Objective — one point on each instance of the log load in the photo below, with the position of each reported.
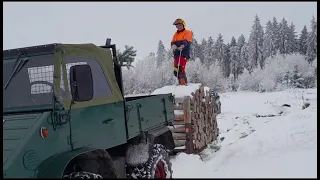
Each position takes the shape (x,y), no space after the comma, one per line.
(195,124)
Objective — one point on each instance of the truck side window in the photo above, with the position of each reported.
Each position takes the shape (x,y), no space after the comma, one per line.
(41,74)
(101,86)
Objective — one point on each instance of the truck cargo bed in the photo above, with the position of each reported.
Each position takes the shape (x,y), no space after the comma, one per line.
(145,113)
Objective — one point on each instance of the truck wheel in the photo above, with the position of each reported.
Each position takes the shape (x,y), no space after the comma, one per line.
(158,165)
(82,175)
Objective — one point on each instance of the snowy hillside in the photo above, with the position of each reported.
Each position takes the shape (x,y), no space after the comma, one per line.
(256,146)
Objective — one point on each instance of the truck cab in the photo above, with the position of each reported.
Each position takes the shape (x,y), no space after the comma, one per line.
(65,101)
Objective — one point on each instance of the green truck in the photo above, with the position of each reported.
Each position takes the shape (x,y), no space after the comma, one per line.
(65,116)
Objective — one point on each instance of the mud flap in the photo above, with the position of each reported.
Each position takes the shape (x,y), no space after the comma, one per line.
(163,136)
(120,164)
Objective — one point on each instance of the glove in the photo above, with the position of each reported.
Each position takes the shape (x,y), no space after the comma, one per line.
(181,47)
(174,47)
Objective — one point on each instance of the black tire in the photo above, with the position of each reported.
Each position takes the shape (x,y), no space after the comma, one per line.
(82,175)
(157,166)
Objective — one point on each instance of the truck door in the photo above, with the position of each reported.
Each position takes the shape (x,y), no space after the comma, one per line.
(96,123)
(98,126)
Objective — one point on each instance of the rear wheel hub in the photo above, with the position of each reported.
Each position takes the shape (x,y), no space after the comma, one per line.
(160,170)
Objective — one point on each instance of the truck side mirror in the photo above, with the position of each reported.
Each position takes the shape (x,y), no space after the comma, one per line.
(81,83)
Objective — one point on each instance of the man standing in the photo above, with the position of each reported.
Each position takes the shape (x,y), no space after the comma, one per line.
(180,45)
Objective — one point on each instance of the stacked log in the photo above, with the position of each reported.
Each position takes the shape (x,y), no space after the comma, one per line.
(195,124)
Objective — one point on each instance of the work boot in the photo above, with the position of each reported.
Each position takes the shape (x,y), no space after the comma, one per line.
(183,80)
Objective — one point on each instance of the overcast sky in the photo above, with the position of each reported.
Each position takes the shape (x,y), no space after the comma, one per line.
(140,24)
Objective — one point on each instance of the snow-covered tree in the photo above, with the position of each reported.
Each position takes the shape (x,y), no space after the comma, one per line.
(233,42)
(240,43)
(249,81)
(202,50)
(209,52)
(303,41)
(219,49)
(234,61)
(292,39)
(226,61)
(312,41)
(234,58)
(194,48)
(278,74)
(221,55)
(169,55)
(284,32)
(275,34)
(152,55)
(244,56)
(210,76)
(161,53)
(256,44)
(269,48)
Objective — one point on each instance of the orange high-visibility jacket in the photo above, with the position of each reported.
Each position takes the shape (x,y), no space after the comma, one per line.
(182,37)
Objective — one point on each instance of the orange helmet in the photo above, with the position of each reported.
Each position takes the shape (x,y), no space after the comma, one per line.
(179,21)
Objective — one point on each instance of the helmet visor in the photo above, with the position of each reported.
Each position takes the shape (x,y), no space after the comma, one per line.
(178,21)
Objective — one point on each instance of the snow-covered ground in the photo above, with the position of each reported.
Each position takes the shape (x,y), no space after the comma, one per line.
(280,146)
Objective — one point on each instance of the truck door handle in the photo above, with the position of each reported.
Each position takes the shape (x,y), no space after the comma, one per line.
(107,121)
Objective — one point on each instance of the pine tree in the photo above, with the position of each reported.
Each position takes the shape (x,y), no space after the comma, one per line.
(292,39)
(303,41)
(193,48)
(275,35)
(245,57)
(127,57)
(234,58)
(219,48)
(295,77)
(240,43)
(152,57)
(312,41)
(169,55)
(197,49)
(220,51)
(256,44)
(233,42)
(209,52)
(226,60)
(269,48)
(284,37)
(202,50)
(234,61)
(161,53)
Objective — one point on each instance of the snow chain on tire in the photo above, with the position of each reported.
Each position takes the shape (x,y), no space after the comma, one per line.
(82,175)
(147,170)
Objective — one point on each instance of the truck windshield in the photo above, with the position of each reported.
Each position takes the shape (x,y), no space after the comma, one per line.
(33,83)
